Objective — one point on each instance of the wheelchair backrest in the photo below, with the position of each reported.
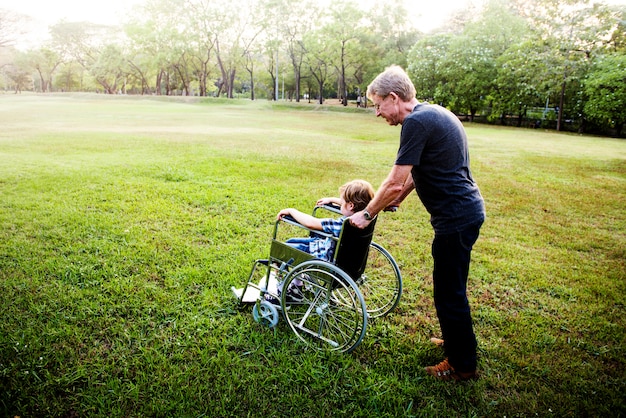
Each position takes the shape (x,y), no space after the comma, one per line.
(353,248)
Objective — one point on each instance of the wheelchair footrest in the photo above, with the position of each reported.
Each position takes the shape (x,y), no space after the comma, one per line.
(253,291)
(251,296)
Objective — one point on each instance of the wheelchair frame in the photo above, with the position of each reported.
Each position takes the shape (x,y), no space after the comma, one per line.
(330,309)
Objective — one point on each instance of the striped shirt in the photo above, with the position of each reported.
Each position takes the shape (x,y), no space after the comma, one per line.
(324,248)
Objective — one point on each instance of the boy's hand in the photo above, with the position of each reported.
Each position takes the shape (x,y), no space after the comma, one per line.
(324,201)
(282,213)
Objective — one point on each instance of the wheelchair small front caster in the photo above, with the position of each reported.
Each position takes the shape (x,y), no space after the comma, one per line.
(265,313)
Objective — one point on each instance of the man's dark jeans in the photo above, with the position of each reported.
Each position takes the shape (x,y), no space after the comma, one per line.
(451,255)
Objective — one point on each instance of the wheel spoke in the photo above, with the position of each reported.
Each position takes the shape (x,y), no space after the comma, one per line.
(331,313)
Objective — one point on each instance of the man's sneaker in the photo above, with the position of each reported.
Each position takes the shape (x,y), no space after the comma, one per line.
(437,341)
(444,371)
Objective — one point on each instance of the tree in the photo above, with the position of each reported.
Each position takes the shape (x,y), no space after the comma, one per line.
(171,43)
(45,62)
(388,36)
(605,89)
(318,60)
(270,61)
(140,69)
(471,63)
(18,72)
(11,27)
(203,42)
(84,43)
(524,78)
(617,42)
(235,33)
(576,30)
(70,76)
(343,31)
(285,23)
(109,68)
(428,68)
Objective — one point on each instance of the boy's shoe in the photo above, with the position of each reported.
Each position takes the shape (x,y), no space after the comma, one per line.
(271,299)
(444,371)
(294,294)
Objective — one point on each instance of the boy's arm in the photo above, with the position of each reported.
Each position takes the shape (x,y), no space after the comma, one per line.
(304,219)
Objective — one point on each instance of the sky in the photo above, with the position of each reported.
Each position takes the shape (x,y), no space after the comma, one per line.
(427,14)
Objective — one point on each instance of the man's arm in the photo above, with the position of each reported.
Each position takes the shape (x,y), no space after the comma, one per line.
(406,190)
(394,189)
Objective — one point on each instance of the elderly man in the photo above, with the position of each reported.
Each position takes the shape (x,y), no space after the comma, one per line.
(433,159)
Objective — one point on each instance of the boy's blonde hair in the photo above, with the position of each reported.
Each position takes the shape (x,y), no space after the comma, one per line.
(357,192)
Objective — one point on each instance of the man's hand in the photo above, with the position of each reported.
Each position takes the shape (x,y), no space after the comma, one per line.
(358,220)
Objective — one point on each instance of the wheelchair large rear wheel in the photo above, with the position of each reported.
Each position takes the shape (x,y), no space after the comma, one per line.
(381,282)
(324,307)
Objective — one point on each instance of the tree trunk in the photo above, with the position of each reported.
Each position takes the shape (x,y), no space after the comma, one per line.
(231,82)
(561,101)
(159,82)
(225,75)
(297,77)
(251,72)
(42,81)
(321,87)
(183,80)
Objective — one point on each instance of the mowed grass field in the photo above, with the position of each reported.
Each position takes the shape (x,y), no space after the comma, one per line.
(125,221)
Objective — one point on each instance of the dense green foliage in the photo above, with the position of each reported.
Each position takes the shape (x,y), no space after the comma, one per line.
(124,222)
(526,66)
(606,96)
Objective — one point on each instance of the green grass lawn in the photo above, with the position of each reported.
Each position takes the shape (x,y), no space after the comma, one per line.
(125,221)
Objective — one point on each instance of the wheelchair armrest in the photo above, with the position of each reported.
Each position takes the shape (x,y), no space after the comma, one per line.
(291,221)
(329,207)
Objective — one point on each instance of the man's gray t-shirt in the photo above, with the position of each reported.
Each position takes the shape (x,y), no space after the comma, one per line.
(434,142)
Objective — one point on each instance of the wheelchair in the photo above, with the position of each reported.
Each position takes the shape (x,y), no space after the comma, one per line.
(333,301)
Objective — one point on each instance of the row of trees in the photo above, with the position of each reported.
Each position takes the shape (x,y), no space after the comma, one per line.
(552,63)
(210,47)
(560,62)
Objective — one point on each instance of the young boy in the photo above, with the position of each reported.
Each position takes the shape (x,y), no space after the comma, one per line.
(355,195)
